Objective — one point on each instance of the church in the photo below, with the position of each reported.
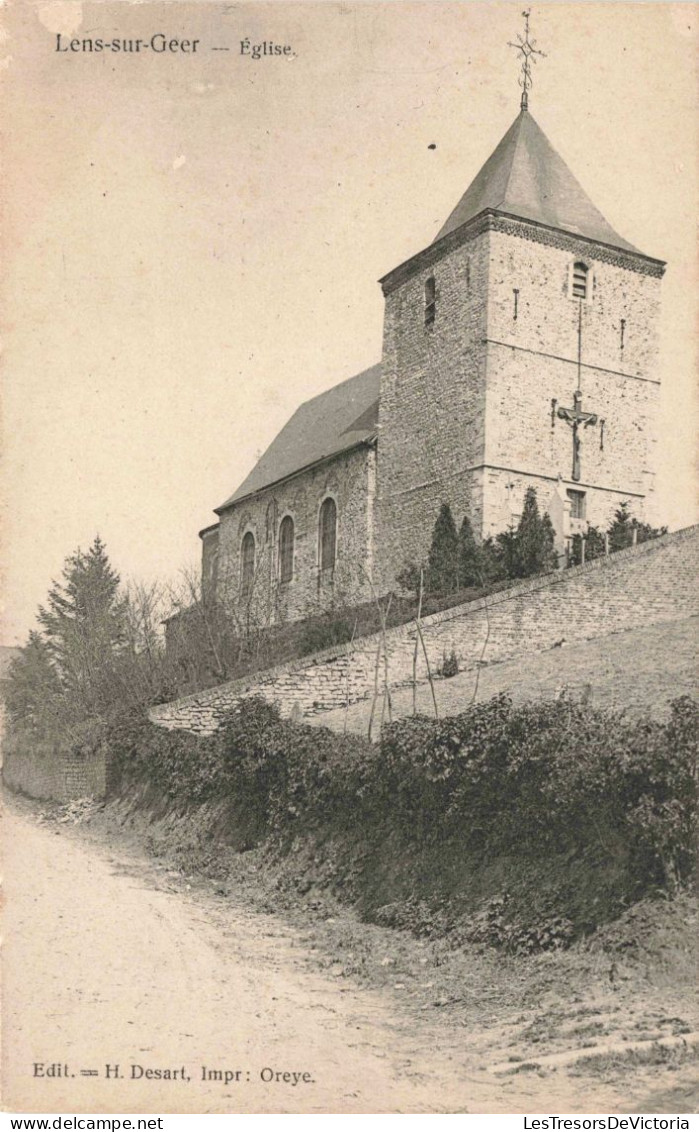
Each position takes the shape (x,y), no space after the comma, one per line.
(519,350)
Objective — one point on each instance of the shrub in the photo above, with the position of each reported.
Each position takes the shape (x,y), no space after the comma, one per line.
(410,578)
(318,635)
(450,665)
(536,781)
(594,547)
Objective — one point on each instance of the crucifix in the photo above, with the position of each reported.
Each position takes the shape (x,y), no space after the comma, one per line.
(576,418)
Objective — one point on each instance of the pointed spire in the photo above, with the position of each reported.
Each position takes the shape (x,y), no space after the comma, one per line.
(525,177)
(528,50)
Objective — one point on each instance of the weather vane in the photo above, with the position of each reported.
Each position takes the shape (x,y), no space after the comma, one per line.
(528,50)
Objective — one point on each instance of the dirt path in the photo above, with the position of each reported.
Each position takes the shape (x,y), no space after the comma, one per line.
(110,962)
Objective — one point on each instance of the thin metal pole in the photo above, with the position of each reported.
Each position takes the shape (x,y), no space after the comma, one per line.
(579,343)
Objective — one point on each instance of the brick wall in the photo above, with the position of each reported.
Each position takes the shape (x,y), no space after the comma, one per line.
(349,479)
(55,776)
(647,584)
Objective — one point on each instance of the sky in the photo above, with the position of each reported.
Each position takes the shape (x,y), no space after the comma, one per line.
(192,242)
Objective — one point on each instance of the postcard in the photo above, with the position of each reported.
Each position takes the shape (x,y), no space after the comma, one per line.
(349,565)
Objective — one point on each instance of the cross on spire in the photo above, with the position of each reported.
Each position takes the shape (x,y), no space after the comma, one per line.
(528,50)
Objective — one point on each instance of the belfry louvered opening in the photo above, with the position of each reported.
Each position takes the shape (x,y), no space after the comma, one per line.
(581,275)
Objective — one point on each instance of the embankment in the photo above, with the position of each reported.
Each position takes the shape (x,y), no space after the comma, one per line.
(518,827)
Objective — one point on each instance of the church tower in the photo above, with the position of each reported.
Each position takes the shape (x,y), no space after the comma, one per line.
(520,349)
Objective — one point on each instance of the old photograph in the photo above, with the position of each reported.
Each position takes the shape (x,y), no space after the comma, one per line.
(348,671)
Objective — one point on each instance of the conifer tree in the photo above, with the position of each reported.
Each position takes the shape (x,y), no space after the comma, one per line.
(31,688)
(443,558)
(621,529)
(83,623)
(534,539)
(470,565)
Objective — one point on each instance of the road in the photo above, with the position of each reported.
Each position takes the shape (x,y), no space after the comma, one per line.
(109,962)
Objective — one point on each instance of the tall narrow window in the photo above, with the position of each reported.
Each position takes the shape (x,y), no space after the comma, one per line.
(286,549)
(247,572)
(327,534)
(430,301)
(581,279)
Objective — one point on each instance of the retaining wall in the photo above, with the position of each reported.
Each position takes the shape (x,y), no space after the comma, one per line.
(55,775)
(650,583)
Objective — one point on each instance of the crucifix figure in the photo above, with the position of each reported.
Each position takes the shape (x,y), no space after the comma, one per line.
(575,417)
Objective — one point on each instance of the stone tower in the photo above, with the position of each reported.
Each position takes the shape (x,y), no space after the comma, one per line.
(520,349)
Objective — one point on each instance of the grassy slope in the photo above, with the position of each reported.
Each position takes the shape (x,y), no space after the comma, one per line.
(638,669)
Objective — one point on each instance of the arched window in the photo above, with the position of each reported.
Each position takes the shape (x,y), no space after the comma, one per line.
(247,569)
(581,281)
(286,549)
(327,534)
(430,300)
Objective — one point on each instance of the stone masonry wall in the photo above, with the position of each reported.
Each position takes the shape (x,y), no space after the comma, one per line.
(532,359)
(432,408)
(467,401)
(504,493)
(349,480)
(653,582)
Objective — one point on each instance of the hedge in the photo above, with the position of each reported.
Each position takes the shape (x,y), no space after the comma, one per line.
(543,778)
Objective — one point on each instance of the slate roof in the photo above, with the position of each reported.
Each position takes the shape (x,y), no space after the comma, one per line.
(333,422)
(525,177)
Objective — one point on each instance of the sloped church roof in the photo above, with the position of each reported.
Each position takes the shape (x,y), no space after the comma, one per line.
(332,422)
(524,177)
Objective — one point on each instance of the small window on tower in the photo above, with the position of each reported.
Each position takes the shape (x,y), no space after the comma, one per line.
(430,301)
(577,503)
(581,281)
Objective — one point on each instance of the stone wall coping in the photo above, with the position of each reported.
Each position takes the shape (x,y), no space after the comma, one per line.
(498,597)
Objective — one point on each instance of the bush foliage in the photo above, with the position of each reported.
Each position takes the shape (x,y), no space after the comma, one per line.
(537,780)
(620,535)
(456,561)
